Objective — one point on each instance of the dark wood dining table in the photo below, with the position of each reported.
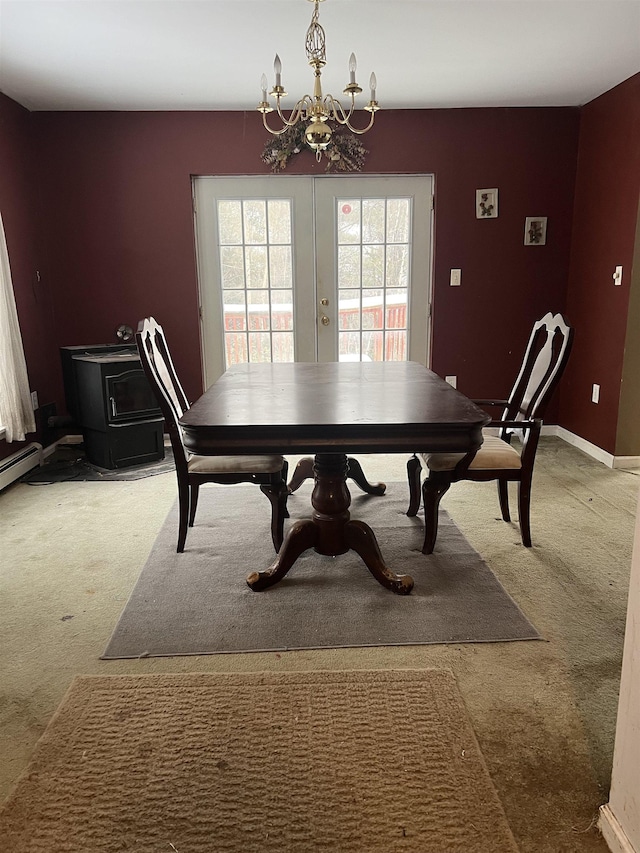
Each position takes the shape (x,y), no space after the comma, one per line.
(329,410)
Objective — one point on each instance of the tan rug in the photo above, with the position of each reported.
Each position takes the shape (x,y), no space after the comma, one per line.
(364,762)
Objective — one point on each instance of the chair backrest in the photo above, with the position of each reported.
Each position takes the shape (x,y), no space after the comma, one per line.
(544,362)
(162,376)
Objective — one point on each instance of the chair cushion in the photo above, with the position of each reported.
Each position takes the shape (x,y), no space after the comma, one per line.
(235,464)
(494,453)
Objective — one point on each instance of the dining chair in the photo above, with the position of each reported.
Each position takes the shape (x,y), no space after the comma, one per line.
(269,472)
(544,361)
(304,471)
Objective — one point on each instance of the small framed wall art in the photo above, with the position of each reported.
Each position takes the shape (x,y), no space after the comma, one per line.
(535,230)
(486,204)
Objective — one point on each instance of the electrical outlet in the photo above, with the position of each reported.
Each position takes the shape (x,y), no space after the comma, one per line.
(452,380)
(34,400)
(454,278)
(595,394)
(617,276)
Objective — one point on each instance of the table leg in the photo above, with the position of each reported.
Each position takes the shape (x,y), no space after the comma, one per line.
(330,531)
(363,541)
(302,535)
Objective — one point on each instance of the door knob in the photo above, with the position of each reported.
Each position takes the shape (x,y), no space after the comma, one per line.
(324,301)
(325,320)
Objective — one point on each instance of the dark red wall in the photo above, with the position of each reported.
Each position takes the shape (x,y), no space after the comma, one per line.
(109,196)
(120,241)
(607,190)
(18,207)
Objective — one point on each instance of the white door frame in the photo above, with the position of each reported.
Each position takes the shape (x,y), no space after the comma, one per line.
(206,224)
(301,189)
(419,188)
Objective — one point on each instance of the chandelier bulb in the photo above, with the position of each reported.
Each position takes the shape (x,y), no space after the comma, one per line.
(277,67)
(352,68)
(263,86)
(372,86)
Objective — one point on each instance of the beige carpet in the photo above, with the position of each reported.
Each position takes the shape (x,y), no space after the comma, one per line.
(359,761)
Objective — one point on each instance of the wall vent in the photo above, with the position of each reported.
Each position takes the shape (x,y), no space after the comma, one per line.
(17,465)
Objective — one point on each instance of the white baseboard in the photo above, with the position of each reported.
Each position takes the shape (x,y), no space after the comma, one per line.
(613,833)
(626,462)
(592,450)
(586,446)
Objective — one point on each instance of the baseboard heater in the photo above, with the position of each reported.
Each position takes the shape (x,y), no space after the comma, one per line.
(17,465)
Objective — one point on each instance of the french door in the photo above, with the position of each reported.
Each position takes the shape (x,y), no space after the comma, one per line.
(313,269)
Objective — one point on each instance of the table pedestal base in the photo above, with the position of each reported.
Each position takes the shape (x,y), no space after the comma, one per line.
(331,531)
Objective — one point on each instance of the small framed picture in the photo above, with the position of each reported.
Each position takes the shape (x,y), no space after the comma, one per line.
(486,204)
(535,230)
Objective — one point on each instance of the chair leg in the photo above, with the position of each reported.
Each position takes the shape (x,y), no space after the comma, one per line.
(304,471)
(183,502)
(194,491)
(524,506)
(277,494)
(432,494)
(414,469)
(503,497)
(354,470)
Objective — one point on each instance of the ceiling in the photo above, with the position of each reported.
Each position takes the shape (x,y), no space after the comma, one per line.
(210,54)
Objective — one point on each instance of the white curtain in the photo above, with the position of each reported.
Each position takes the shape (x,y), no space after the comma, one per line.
(16,414)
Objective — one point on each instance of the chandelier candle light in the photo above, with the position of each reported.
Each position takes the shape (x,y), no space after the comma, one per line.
(320,109)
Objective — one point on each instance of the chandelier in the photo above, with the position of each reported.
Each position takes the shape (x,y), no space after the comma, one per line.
(318,110)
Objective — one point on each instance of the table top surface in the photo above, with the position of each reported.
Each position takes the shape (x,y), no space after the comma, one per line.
(346,406)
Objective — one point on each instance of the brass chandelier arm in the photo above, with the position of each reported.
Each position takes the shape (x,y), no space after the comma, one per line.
(297,113)
(337,112)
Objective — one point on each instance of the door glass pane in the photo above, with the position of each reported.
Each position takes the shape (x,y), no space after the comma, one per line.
(256,271)
(398,220)
(259,347)
(282,309)
(279,218)
(348,220)
(349,346)
(373,266)
(373,216)
(255,221)
(398,265)
(230,218)
(373,278)
(373,346)
(397,306)
(280,270)
(396,346)
(258,310)
(282,346)
(372,309)
(349,314)
(349,266)
(232,267)
(257,268)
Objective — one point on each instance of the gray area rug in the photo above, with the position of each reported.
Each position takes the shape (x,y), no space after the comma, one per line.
(198,602)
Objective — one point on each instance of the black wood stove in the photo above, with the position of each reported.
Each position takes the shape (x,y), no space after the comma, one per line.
(110,398)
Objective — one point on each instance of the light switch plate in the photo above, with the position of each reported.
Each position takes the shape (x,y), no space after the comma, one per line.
(595,394)
(617,276)
(452,380)
(454,278)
